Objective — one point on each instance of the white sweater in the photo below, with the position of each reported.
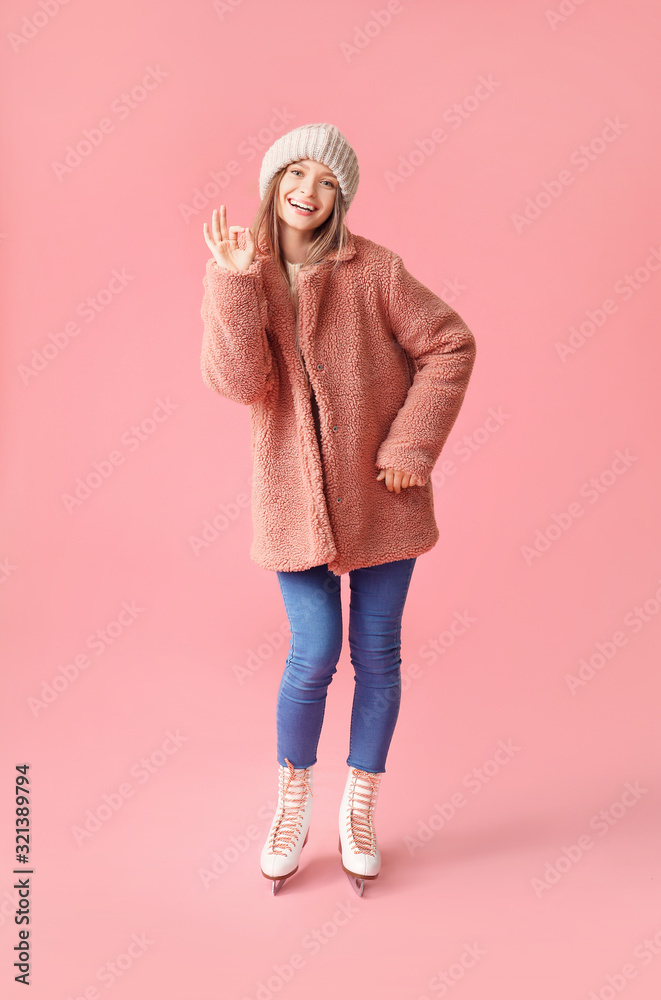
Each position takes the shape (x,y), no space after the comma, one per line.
(291,272)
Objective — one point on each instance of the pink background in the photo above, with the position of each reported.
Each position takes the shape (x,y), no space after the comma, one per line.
(173,664)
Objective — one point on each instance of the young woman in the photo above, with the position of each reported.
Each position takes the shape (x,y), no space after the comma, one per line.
(354,373)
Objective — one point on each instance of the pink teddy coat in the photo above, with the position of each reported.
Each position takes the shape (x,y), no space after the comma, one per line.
(389,362)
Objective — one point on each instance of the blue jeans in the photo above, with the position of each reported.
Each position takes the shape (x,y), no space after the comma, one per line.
(314,609)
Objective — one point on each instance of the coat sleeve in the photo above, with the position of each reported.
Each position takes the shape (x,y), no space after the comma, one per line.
(236,358)
(443,349)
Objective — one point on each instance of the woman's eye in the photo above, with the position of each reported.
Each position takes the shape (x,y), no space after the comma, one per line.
(295,170)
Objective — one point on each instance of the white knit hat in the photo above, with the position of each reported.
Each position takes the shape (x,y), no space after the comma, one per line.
(321,142)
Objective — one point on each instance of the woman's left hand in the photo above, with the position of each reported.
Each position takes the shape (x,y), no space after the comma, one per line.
(396,479)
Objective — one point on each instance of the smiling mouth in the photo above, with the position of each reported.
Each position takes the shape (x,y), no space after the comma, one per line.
(301,206)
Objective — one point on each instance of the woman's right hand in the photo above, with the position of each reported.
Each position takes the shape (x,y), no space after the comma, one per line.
(223,243)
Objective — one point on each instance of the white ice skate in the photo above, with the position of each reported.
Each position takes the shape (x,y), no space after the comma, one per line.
(361,858)
(289,830)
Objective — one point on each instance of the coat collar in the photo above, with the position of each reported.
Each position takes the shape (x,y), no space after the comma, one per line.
(348,250)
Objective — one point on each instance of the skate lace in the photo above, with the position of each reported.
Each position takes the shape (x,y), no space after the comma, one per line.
(294,787)
(362,798)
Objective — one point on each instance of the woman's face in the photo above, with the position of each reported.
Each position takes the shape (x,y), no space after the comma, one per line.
(311,183)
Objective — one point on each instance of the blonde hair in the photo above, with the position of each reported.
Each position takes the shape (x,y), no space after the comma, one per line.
(329,237)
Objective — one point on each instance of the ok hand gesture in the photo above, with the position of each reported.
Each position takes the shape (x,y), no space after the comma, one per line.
(223,243)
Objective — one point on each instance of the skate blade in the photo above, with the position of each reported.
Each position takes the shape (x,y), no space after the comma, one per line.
(357,881)
(277,883)
(357,884)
